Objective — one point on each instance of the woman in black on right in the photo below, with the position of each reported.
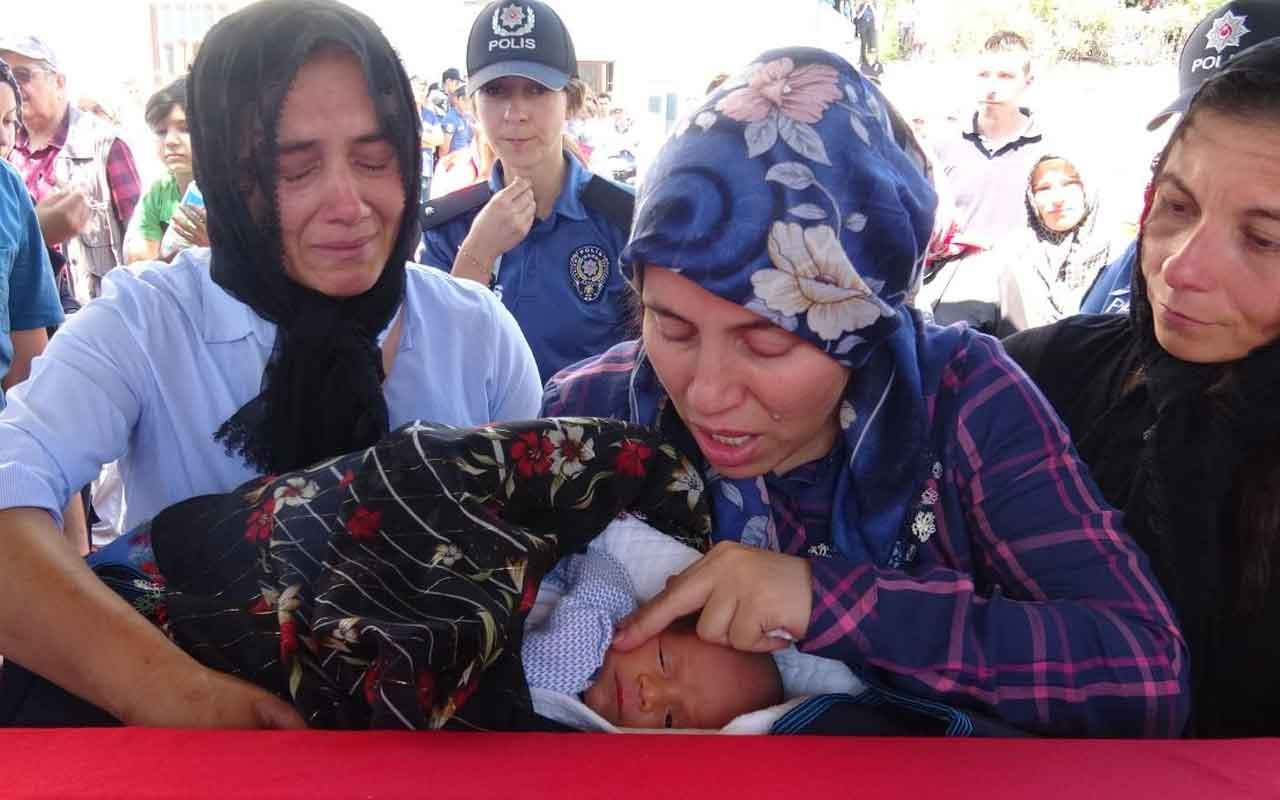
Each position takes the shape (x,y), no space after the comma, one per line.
(1176,408)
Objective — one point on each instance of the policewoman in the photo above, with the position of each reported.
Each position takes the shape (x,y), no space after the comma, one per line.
(544,233)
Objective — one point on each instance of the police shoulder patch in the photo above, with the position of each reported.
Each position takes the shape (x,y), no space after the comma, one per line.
(615,202)
(589,269)
(453,205)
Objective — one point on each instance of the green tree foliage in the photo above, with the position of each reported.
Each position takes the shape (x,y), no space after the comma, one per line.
(1107,31)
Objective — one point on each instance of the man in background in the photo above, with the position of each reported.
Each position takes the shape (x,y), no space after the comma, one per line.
(67,157)
(987,162)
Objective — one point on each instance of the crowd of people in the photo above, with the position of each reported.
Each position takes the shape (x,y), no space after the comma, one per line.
(409,410)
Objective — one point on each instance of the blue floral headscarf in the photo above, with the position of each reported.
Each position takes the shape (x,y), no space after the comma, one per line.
(798,193)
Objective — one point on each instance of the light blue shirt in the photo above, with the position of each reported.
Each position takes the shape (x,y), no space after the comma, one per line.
(28,298)
(148,372)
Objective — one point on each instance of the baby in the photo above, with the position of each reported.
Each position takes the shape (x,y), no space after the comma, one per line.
(675,680)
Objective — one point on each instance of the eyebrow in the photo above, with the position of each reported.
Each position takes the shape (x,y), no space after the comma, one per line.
(758,324)
(289,147)
(1272,214)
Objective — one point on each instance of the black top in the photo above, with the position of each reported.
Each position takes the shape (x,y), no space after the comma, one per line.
(1089,367)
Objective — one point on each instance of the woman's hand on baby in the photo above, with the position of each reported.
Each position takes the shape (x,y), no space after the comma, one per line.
(206,698)
(745,595)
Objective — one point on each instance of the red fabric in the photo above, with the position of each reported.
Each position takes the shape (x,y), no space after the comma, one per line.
(144,763)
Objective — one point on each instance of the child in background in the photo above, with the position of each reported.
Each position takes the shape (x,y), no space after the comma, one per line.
(165,204)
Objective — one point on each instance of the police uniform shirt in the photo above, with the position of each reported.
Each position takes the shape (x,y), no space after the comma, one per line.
(562,283)
(457,127)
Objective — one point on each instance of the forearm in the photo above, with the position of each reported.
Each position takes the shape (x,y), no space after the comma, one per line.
(474,261)
(59,620)
(26,346)
(140,249)
(75,526)
(1076,666)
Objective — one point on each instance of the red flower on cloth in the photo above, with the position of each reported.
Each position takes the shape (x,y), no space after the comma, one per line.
(802,94)
(263,605)
(364,523)
(426,686)
(160,613)
(465,691)
(288,639)
(532,453)
(370,682)
(347,479)
(631,459)
(527,597)
(261,520)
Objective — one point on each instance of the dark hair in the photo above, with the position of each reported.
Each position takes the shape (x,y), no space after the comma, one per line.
(1007,42)
(1252,96)
(6,76)
(160,104)
(576,92)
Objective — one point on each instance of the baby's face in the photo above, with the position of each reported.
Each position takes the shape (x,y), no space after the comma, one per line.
(676,680)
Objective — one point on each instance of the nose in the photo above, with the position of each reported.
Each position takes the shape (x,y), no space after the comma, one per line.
(515,111)
(654,693)
(1190,263)
(345,204)
(716,385)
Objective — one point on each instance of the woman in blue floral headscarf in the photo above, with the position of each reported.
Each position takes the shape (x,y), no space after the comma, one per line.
(886,492)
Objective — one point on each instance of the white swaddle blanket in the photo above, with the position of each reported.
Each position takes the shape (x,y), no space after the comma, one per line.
(651,557)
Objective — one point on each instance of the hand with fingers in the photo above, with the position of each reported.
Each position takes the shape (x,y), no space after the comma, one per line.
(191,224)
(501,225)
(63,214)
(204,698)
(749,599)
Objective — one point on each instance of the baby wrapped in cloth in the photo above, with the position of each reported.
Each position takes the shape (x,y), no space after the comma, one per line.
(389,587)
(674,681)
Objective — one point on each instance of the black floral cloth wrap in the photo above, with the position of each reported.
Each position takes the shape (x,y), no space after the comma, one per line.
(388,588)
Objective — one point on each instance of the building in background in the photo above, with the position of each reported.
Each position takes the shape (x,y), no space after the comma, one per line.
(177,28)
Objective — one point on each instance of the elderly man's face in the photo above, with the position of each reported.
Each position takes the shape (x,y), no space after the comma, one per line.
(44,98)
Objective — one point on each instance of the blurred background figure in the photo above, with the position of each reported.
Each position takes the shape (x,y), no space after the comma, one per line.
(161,207)
(68,160)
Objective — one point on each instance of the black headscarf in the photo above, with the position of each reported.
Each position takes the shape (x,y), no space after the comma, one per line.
(321,391)
(1210,421)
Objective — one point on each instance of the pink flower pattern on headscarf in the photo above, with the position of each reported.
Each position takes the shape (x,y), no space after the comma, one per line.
(802,94)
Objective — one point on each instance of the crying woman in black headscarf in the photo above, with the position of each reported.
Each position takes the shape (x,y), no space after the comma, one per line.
(311,180)
(299,335)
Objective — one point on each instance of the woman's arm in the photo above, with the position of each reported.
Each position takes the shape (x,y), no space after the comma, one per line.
(75,413)
(1056,626)
(59,620)
(26,346)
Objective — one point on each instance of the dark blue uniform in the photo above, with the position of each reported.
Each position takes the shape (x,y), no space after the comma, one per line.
(562,283)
